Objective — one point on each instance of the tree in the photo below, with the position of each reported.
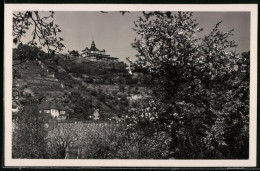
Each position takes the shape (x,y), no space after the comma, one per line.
(26,52)
(44,29)
(81,106)
(236,112)
(121,88)
(63,136)
(192,79)
(74,53)
(29,134)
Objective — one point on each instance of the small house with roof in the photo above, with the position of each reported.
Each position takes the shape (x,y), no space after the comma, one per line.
(16,106)
(54,109)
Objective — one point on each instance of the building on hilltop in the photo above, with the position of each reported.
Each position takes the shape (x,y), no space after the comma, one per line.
(54,109)
(94,54)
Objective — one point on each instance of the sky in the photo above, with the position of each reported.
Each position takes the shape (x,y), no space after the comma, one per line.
(113,32)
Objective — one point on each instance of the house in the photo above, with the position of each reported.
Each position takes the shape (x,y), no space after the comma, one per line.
(54,109)
(63,111)
(16,94)
(44,107)
(85,76)
(16,106)
(51,75)
(28,92)
(134,97)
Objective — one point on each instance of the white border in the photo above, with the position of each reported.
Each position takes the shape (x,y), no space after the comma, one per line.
(8,161)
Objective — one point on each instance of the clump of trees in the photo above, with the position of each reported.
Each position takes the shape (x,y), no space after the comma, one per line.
(200,87)
(82,107)
(25,52)
(74,53)
(44,32)
(28,140)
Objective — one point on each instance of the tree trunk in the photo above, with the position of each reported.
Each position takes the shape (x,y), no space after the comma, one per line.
(174,142)
(62,153)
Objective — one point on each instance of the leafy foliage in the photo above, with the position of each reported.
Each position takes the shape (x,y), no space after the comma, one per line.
(29,134)
(44,29)
(199,108)
(195,83)
(74,53)
(25,52)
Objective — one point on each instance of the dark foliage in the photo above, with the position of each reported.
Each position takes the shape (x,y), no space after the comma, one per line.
(200,89)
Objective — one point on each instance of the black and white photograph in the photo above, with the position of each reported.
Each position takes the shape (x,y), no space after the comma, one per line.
(148,85)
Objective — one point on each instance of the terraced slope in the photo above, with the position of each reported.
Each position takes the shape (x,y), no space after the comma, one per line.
(37,77)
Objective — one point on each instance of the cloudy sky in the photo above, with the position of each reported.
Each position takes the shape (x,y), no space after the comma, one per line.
(113,32)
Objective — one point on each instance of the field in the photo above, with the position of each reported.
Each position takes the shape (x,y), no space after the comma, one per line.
(105,140)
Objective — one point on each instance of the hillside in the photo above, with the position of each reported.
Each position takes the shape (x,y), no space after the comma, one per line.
(81,86)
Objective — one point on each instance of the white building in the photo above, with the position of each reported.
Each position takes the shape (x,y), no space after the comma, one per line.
(94,54)
(16,106)
(96,115)
(54,109)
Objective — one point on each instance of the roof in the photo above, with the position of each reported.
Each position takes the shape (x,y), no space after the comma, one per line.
(54,105)
(113,57)
(61,107)
(45,105)
(93,47)
(15,104)
(15,90)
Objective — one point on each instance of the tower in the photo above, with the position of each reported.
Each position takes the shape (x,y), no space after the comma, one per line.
(93,44)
